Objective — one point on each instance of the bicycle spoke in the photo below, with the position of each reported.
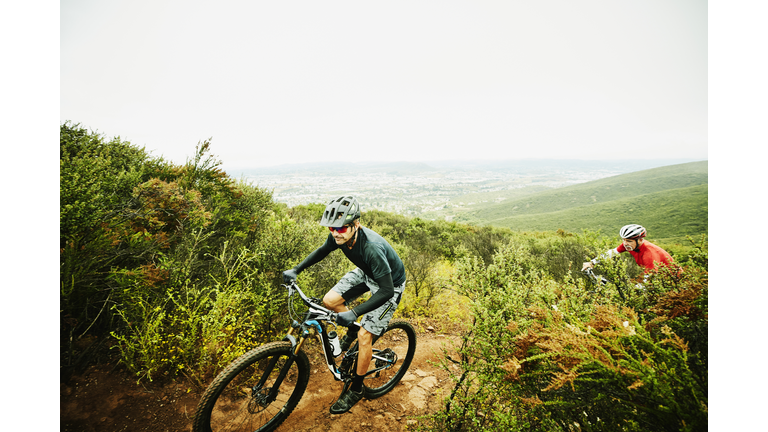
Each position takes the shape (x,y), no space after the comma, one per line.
(392,355)
(241,398)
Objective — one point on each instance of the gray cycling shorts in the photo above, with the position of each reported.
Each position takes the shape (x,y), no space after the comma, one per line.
(356,283)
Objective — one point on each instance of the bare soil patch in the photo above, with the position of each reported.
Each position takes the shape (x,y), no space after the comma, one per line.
(103,399)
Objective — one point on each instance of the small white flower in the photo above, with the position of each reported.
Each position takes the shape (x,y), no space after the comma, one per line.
(555,307)
(626,323)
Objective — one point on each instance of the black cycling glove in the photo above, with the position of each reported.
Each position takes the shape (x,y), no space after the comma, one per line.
(290,275)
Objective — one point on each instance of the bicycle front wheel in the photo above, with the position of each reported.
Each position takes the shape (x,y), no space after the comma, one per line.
(393,353)
(241,398)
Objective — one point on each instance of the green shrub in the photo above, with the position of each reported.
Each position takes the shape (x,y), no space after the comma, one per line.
(150,249)
(544,355)
(95,176)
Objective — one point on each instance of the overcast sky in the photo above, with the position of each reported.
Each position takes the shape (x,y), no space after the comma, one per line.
(293,82)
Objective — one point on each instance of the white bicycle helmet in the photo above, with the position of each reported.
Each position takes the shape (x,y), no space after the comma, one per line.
(632,232)
(340,211)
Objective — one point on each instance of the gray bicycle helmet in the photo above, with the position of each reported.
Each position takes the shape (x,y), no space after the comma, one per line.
(632,232)
(340,211)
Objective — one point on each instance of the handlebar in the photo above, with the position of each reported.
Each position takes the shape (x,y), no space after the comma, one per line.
(292,288)
(312,303)
(595,279)
(602,281)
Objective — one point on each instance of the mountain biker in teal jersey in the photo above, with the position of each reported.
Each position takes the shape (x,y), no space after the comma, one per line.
(379,270)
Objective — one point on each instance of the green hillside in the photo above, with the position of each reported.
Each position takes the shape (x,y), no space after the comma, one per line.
(667,215)
(487,198)
(671,202)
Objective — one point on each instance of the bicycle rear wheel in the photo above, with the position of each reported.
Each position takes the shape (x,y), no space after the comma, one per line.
(394,351)
(238,399)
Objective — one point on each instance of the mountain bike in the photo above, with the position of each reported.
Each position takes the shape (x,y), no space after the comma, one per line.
(261,388)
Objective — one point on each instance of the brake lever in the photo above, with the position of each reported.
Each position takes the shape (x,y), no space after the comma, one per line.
(290,288)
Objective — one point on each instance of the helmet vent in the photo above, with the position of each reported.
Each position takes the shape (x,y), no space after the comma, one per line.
(340,210)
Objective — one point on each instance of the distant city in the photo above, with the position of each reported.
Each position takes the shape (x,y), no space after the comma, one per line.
(431,189)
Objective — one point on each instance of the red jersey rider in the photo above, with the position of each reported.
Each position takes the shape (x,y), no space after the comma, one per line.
(645,253)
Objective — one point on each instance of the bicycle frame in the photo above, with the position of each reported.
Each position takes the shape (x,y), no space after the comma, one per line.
(314,319)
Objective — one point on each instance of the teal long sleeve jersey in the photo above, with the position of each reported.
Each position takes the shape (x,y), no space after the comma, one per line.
(371,254)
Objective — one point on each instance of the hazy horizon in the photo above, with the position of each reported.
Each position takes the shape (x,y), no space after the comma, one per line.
(637,164)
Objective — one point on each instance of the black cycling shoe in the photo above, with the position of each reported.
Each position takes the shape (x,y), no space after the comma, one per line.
(347,400)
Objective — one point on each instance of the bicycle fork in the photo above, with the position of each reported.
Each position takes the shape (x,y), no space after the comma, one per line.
(272,395)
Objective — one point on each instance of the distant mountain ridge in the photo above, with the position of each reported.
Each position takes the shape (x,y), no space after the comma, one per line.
(525,166)
(670,201)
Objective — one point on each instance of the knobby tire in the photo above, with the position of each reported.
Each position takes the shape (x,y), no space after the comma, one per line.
(231,404)
(400,338)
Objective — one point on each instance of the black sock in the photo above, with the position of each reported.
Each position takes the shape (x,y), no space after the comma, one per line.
(357,383)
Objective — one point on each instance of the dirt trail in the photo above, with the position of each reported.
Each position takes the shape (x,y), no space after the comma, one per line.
(104,400)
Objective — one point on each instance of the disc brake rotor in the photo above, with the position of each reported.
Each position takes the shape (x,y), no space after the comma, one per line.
(258,400)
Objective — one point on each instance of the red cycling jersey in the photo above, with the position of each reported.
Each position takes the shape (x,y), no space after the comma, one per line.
(647,255)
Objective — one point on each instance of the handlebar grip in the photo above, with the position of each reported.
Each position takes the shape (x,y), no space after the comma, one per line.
(335,315)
